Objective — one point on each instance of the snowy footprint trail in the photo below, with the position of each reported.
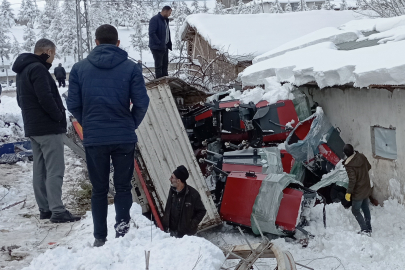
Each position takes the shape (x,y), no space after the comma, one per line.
(128,252)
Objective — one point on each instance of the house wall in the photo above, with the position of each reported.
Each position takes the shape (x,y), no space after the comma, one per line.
(201,50)
(355,111)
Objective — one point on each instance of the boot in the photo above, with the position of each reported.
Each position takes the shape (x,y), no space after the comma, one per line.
(45,215)
(64,217)
(99,242)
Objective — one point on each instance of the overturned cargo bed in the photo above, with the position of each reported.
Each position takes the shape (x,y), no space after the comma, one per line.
(163,145)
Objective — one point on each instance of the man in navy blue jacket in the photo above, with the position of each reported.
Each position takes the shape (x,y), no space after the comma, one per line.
(160,41)
(101,89)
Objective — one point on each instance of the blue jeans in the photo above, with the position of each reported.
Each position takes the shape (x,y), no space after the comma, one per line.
(98,165)
(364,222)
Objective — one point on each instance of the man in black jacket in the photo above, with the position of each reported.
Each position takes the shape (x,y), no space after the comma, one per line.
(45,124)
(184,208)
(160,41)
(60,75)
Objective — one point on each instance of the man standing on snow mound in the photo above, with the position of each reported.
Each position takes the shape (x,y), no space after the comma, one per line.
(160,41)
(184,208)
(60,75)
(359,189)
(101,89)
(45,124)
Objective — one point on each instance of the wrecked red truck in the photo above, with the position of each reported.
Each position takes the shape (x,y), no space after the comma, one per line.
(253,164)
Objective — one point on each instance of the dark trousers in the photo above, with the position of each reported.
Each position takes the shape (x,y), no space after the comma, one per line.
(61,82)
(161,62)
(98,165)
(364,222)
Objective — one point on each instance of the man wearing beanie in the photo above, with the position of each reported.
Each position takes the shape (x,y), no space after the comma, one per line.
(184,208)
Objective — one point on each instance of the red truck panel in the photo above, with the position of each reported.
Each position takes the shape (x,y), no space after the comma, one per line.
(287,160)
(240,194)
(289,209)
(327,153)
(226,167)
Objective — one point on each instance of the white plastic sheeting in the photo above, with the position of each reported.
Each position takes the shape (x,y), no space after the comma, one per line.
(164,145)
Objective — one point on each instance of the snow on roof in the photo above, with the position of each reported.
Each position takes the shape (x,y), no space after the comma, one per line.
(253,34)
(316,57)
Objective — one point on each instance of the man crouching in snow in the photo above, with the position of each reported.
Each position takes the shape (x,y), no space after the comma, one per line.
(184,208)
(45,124)
(359,189)
(101,89)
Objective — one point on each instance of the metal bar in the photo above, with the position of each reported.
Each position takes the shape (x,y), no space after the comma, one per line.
(304,266)
(257,225)
(150,200)
(247,241)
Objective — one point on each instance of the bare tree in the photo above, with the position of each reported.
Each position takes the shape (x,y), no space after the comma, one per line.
(211,73)
(384,8)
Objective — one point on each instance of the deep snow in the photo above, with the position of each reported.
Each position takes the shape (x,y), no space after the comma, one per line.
(250,35)
(316,57)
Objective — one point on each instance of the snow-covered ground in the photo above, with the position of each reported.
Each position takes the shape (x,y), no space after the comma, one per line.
(30,243)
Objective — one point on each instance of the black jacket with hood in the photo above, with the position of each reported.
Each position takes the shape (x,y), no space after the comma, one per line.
(38,97)
(192,211)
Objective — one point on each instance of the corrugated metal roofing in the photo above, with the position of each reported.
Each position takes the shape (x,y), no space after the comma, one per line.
(353,45)
(164,145)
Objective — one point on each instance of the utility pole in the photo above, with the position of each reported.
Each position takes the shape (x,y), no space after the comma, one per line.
(84,44)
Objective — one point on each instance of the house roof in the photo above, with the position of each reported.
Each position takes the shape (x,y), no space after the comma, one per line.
(250,35)
(350,53)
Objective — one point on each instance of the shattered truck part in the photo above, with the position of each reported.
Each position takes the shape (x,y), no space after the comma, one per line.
(164,145)
(316,143)
(277,208)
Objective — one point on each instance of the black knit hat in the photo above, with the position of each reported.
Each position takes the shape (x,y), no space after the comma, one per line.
(181,173)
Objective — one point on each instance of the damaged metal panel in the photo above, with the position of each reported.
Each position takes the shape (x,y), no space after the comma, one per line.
(164,145)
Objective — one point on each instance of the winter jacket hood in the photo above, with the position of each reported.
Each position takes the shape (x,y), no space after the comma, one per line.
(107,56)
(38,96)
(25,59)
(358,160)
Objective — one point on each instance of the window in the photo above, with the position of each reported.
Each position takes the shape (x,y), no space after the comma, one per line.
(384,142)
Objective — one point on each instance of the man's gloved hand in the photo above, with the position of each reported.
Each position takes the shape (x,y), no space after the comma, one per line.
(348,197)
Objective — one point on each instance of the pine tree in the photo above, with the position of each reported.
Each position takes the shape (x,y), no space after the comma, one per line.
(29,38)
(98,14)
(6,14)
(276,7)
(51,11)
(219,8)
(343,5)
(204,8)
(128,13)
(241,8)
(28,12)
(314,6)
(139,39)
(67,38)
(5,44)
(302,6)
(196,7)
(15,48)
(288,7)
(326,5)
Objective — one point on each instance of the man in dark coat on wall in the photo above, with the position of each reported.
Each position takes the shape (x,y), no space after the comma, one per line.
(359,189)
(45,124)
(101,90)
(160,41)
(184,209)
(60,75)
